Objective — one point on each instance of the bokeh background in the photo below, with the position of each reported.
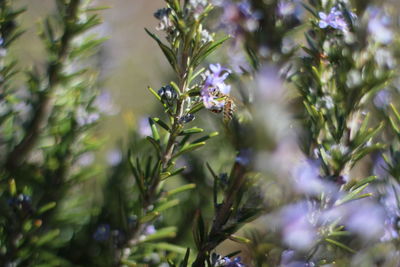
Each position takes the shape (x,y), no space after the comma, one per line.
(129,60)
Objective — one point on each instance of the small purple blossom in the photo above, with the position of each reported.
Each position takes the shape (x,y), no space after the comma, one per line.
(150,230)
(238,18)
(104,104)
(236,262)
(380,166)
(197,7)
(334,20)
(227,262)
(84,117)
(285,8)
(378,26)
(114,157)
(213,84)
(216,76)
(144,128)
(367,219)
(298,229)
(244,157)
(307,179)
(288,8)
(382,99)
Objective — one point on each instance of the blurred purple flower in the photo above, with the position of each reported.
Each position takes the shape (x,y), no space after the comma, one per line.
(382,99)
(365,218)
(238,60)
(236,262)
(144,128)
(385,58)
(285,8)
(298,231)
(390,201)
(269,84)
(149,230)
(105,104)
(379,166)
(334,20)
(391,229)
(378,26)
(197,6)
(85,159)
(307,179)
(244,157)
(227,262)
(238,17)
(114,157)
(84,117)
(288,8)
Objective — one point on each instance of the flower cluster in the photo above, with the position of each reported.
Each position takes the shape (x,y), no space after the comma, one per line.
(333,19)
(219,261)
(379,25)
(214,88)
(238,17)
(163,15)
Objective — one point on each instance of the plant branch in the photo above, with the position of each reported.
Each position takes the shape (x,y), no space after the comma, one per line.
(45,105)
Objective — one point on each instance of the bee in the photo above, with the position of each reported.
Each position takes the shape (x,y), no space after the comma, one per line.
(227,109)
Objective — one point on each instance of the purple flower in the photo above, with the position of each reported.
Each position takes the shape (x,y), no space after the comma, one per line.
(105,104)
(334,20)
(213,85)
(298,229)
(367,219)
(216,76)
(244,157)
(238,17)
(307,179)
(378,26)
(197,7)
(114,157)
(227,262)
(299,224)
(144,128)
(382,99)
(84,117)
(149,230)
(236,262)
(288,8)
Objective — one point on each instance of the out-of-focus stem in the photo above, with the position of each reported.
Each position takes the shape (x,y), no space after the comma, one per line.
(45,105)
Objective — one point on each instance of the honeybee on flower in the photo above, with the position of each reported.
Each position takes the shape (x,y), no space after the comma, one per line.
(215,92)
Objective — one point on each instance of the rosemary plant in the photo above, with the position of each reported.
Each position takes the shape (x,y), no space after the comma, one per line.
(310,136)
